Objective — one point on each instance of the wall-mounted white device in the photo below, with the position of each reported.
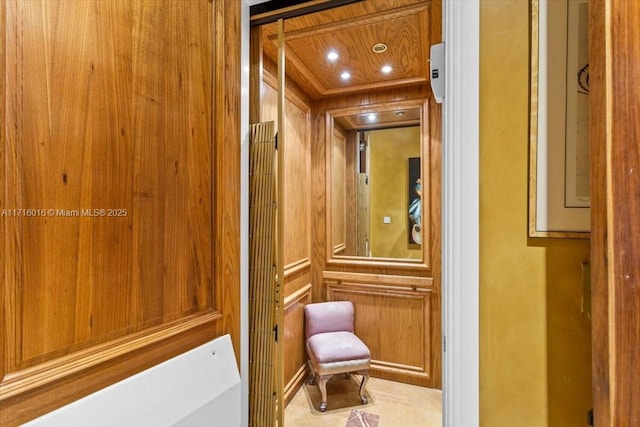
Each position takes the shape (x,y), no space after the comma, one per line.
(436,66)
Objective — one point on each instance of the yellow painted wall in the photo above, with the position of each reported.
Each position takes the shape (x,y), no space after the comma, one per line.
(568,334)
(534,340)
(390,150)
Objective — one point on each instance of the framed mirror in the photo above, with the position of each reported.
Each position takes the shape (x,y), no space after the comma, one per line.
(377,172)
(559,193)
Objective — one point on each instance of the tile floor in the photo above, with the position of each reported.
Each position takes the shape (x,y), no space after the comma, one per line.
(397,404)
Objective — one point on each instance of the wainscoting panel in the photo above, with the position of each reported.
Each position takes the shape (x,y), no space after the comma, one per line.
(295,359)
(392,318)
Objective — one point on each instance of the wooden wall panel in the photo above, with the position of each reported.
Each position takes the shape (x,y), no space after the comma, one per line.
(321,190)
(297,241)
(87,143)
(435,191)
(392,318)
(321,167)
(296,173)
(614,52)
(339,191)
(297,166)
(4,322)
(351,192)
(295,355)
(423,365)
(116,253)
(600,329)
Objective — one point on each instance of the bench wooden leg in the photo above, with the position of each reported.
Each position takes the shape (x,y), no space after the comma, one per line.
(365,379)
(322,383)
(312,374)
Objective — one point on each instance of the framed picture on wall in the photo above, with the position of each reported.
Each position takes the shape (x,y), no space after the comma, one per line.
(559,193)
(414,205)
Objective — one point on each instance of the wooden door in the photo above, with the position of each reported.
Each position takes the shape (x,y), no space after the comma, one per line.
(119,228)
(614,43)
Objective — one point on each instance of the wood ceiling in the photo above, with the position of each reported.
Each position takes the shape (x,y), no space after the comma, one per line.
(351,31)
(396,117)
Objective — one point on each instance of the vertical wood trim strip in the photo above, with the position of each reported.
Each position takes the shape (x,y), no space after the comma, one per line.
(534,54)
(434,126)
(600,288)
(226,135)
(622,54)
(609,244)
(255,82)
(3,200)
(280,203)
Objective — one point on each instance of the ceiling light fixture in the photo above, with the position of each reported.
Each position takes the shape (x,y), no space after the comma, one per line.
(379,47)
(387,69)
(372,117)
(345,75)
(332,55)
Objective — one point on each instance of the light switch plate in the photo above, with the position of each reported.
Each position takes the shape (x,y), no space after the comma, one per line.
(386,220)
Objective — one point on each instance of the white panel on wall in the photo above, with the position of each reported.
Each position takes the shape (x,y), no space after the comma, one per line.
(198,388)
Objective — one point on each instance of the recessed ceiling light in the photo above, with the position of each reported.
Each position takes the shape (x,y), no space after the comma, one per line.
(345,75)
(387,69)
(399,113)
(379,47)
(332,55)
(372,117)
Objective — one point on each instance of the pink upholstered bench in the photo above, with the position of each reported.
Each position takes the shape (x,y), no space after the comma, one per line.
(332,346)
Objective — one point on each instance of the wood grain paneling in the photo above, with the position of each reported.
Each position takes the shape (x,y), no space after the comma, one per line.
(352,31)
(296,170)
(295,362)
(338,192)
(614,52)
(226,140)
(435,200)
(297,247)
(430,267)
(393,319)
(125,258)
(422,146)
(255,75)
(337,14)
(360,120)
(599,248)
(296,276)
(309,34)
(352,198)
(4,322)
(100,145)
(320,167)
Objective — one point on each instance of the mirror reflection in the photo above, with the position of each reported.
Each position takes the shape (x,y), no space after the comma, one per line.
(376,185)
